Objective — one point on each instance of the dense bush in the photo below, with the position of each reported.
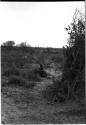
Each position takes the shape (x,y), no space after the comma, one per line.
(72,84)
(19,81)
(74,66)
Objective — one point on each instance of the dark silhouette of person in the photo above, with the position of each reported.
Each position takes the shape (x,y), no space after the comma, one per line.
(41,71)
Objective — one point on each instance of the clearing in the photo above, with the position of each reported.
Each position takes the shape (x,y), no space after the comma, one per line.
(27,106)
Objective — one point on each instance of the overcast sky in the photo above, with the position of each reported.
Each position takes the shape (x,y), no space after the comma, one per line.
(37,23)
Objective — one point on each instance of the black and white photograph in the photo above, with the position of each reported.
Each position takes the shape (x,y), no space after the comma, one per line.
(42,62)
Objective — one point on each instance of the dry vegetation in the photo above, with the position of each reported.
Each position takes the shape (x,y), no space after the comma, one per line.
(45,85)
(27,96)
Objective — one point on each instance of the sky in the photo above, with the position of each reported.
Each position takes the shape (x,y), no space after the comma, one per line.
(40,24)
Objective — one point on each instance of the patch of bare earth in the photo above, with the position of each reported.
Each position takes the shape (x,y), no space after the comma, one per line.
(27,106)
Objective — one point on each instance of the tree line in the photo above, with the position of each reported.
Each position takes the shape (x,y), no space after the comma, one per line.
(11,43)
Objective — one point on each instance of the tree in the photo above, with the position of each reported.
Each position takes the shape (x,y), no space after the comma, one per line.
(24,44)
(8,44)
(74,52)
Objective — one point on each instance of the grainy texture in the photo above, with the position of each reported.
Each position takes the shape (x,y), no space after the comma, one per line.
(21,106)
(24,103)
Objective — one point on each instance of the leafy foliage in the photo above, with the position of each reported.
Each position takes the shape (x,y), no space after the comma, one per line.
(74,53)
(8,44)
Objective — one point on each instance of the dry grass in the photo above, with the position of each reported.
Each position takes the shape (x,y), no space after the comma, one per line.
(24,106)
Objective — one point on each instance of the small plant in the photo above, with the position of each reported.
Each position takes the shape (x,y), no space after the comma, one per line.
(19,81)
(16,81)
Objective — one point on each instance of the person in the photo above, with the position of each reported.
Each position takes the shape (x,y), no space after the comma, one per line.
(41,71)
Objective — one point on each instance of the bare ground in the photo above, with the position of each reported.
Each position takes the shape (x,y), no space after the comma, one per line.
(27,106)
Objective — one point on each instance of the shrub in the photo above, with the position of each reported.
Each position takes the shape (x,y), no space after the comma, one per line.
(33,75)
(74,54)
(19,81)
(16,81)
(8,44)
(54,93)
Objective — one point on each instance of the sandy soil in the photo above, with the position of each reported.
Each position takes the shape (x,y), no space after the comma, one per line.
(27,106)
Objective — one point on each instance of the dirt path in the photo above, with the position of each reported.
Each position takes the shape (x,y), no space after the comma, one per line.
(17,114)
(27,106)
(21,106)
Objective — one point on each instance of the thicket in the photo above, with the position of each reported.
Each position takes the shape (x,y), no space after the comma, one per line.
(74,52)
(72,84)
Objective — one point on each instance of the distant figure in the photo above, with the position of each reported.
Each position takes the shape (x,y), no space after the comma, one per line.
(41,71)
